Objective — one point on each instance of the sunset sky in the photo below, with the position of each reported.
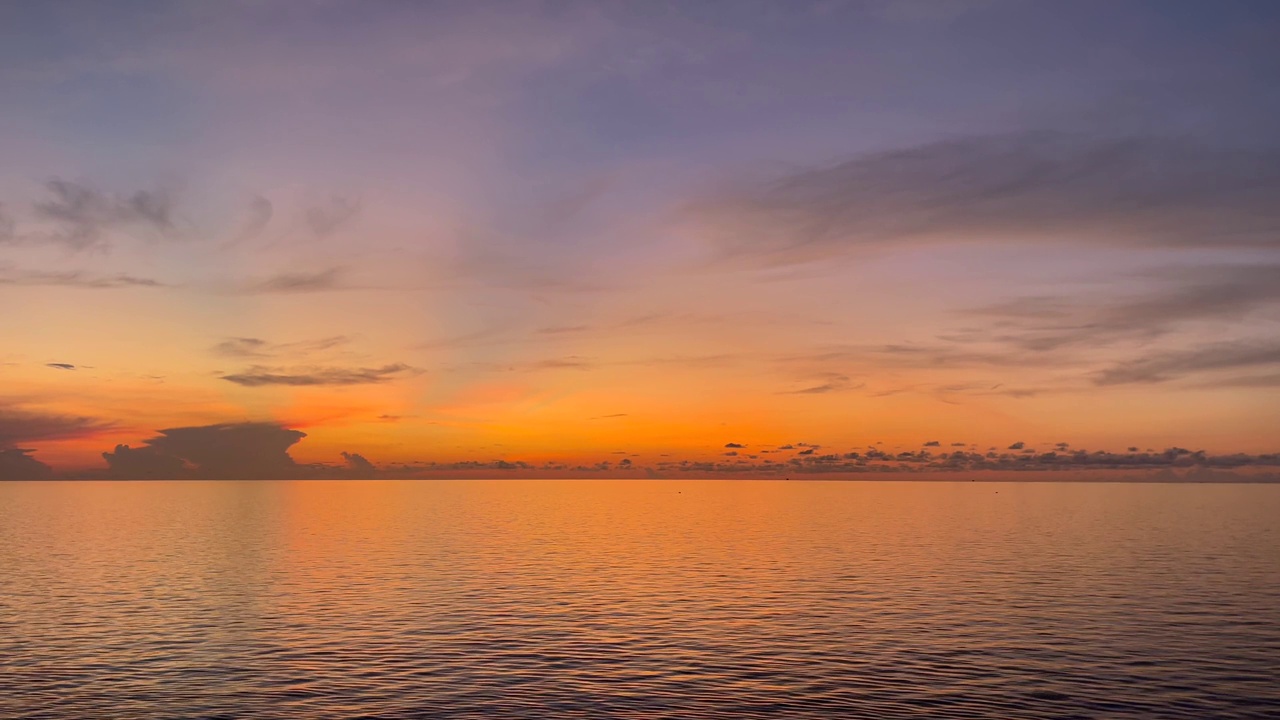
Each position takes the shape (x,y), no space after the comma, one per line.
(724,234)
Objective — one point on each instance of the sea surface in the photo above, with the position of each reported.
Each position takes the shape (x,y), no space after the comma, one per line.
(638,599)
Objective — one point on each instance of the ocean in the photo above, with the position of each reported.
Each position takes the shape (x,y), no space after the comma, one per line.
(639,599)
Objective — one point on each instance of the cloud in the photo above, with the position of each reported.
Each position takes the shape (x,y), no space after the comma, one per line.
(144,463)
(60,366)
(17,464)
(10,276)
(326,218)
(1245,381)
(1141,191)
(358,464)
(1214,293)
(259,216)
(932,443)
(225,451)
(7,226)
(248,347)
(1165,366)
(19,426)
(300,282)
(258,376)
(835,383)
(85,213)
(734,445)
(242,347)
(563,329)
(1018,445)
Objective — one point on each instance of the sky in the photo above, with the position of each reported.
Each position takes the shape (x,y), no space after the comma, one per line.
(268,239)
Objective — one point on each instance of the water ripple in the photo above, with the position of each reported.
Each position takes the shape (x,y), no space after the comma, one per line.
(638,600)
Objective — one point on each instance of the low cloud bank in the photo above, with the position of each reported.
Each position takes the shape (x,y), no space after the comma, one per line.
(260,451)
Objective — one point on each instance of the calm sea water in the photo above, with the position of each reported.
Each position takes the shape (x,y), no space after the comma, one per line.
(587,599)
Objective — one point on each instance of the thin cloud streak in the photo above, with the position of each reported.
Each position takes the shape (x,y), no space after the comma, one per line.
(260,376)
(1025,187)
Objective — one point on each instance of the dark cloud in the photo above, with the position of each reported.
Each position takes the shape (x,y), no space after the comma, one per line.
(85,213)
(19,426)
(328,217)
(258,376)
(227,451)
(358,464)
(144,463)
(60,366)
(1145,191)
(1018,445)
(932,443)
(1171,365)
(10,276)
(300,282)
(734,445)
(17,464)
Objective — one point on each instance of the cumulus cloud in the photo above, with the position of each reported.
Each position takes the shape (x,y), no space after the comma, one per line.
(258,376)
(1143,191)
(226,451)
(144,463)
(358,464)
(17,464)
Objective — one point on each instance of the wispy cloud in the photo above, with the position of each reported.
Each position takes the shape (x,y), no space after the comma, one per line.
(259,376)
(300,282)
(84,213)
(327,217)
(74,279)
(1047,187)
(832,382)
(1216,293)
(19,425)
(1174,364)
(249,347)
